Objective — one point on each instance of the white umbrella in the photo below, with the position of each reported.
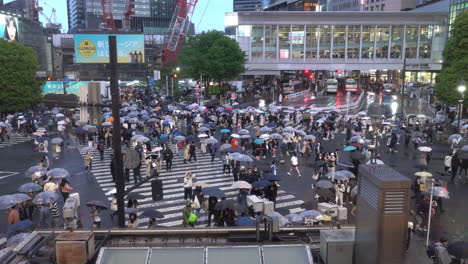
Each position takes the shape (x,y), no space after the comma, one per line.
(202,135)
(241,185)
(211,140)
(265,136)
(379,162)
(235,135)
(421,116)
(362,113)
(425,149)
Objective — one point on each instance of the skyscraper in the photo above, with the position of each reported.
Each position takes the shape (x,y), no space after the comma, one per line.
(247,5)
(457,7)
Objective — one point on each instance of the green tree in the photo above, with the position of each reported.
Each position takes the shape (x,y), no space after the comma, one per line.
(18,87)
(455,62)
(212,55)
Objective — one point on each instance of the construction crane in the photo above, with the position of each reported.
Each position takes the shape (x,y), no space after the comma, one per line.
(51,19)
(107,16)
(127,15)
(178,28)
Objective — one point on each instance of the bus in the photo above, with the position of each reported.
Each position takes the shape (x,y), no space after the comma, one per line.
(292,86)
(331,86)
(351,85)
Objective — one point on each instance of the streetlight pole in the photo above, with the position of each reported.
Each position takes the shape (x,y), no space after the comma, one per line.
(461,88)
(403,85)
(172,87)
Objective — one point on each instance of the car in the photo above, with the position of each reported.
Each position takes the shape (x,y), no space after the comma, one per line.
(390,88)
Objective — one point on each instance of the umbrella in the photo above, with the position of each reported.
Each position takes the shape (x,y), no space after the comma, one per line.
(313,215)
(87,149)
(309,137)
(211,140)
(30,187)
(458,249)
(245,136)
(377,161)
(301,132)
(289,129)
(441,192)
(241,185)
(56,141)
(398,131)
(259,141)
(39,134)
(20,197)
(349,148)
(341,175)
(464,148)
(246,221)
(261,184)
(41,129)
(203,129)
(45,197)
(202,135)
(225,146)
(421,116)
(225,130)
(345,163)
(355,139)
(265,129)
(135,196)
(36,171)
(451,139)
(264,136)
(244,158)
(58,173)
(214,192)
(270,177)
(271,124)
(21,226)
(243,132)
(281,219)
(152,213)
(97,203)
(17,239)
(423,174)
(324,184)
(425,149)
(294,218)
(201,184)
(235,135)
(234,156)
(179,138)
(131,210)
(7,201)
(276,136)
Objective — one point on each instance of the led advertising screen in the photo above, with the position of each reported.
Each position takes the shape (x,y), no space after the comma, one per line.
(9,29)
(56,87)
(95,48)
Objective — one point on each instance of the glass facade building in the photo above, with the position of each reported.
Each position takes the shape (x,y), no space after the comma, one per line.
(348,40)
(457,7)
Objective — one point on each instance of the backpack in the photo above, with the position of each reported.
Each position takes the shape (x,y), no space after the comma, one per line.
(100,147)
(431,252)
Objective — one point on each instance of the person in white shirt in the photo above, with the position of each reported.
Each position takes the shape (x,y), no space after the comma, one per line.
(294,165)
(339,191)
(188,183)
(448,162)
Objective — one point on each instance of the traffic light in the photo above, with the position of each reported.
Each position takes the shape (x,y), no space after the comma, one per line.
(312,76)
(338,71)
(49,78)
(306,71)
(174,75)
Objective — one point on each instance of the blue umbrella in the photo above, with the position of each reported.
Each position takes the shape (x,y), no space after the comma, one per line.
(245,221)
(398,131)
(214,192)
(259,141)
(165,123)
(149,132)
(349,148)
(21,226)
(30,187)
(261,184)
(270,177)
(271,124)
(225,130)
(164,136)
(311,214)
(228,150)
(176,133)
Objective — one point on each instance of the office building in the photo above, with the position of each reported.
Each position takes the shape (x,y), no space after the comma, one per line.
(23,7)
(387,5)
(293,5)
(247,5)
(343,5)
(457,7)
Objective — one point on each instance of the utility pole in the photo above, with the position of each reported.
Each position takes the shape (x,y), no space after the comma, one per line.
(403,85)
(167,86)
(172,88)
(116,140)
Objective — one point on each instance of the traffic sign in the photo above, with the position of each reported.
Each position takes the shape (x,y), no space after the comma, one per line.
(151,80)
(66,80)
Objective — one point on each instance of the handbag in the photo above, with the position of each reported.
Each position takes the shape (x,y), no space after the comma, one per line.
(196,203)
(192,218)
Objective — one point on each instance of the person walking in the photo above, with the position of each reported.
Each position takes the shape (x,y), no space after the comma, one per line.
(188,183)
(101,148)
(50,186)
(132,221)
(441,252)
(88,163)
(448,162)
(55,214)
(96,216)
(168,156)
(331,165)
(192,152)
(294,165)
(212,151)
(212,201)
(13,215)
(455,163)
(339,192)
(226,164)
(65,189)
(44,216)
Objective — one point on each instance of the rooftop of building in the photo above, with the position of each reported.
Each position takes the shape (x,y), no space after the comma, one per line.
(434,6)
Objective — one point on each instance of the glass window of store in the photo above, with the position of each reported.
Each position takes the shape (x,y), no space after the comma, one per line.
(325,41)
(425,41)
(382,36)
(368,39)
(297,41)
(270,42)
(354,39)
(311,41)
(339,40)
(396,42)
(257,42)
(284,42)
(411,40)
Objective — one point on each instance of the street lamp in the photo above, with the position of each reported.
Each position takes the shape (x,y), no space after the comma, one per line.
(461,89)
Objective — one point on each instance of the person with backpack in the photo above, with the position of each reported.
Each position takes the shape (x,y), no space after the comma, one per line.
(101,148)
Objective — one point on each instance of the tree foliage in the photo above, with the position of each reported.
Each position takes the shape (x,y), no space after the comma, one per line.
(213,55)
(455,64)
(18,87)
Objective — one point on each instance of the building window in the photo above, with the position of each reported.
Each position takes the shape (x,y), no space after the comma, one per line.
(368,39)
(297,40)
(270,42)
(425,41)
(382,7)
(382,35)
(311,41)
(366,9)
(339,33)
(284,42)
(354,37)
(371,8)
(396,42)
(257,42)
(325,41)
(411,41)
(376,8)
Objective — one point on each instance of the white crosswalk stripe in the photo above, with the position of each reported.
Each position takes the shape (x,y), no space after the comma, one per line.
(171,206)
(14,139)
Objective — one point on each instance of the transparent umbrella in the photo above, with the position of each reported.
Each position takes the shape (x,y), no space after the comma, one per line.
(58,173)
(35,172)
(45,197)
(30,187)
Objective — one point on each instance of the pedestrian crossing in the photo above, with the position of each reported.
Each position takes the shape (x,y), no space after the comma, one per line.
(171,206)
(14,139)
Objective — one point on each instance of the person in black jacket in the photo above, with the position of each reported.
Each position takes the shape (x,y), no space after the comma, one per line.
(271,192)
(212,201)
(455,164)
(168,156)
(192,152)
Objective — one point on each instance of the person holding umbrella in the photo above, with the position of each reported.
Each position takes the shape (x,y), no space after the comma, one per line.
(96,216)
(13,215)
(271,192)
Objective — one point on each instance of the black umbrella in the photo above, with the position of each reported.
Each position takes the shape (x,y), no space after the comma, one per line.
(131,210)
(21,226)
(97,203)
(357,156)
(135,196)
(271,177)
(214,192)
(324,193)
(458,249)
(152,213)
(319,163)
